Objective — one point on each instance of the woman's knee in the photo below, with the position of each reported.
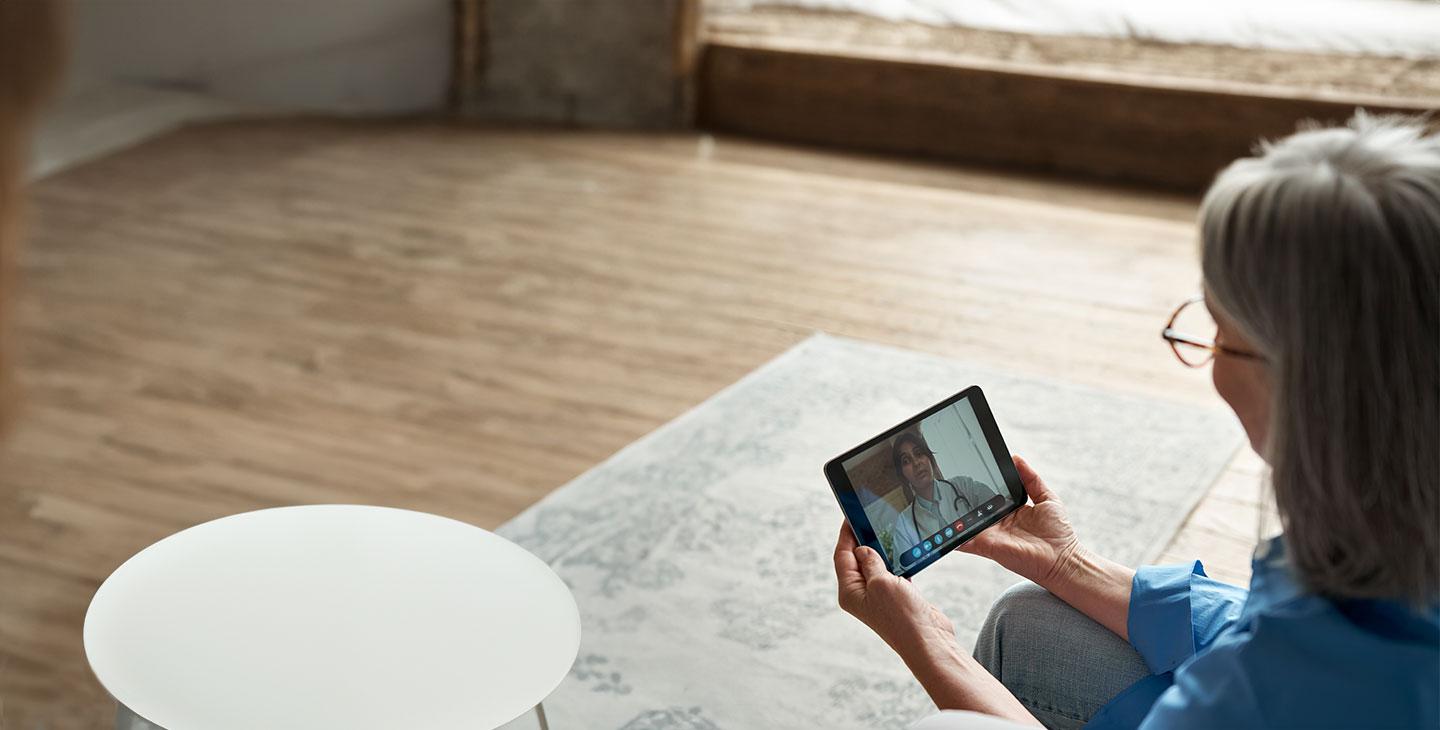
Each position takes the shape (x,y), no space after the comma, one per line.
(1023,603)
(1019,615)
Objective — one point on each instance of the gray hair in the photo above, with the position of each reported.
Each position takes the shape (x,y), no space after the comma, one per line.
(1324,250)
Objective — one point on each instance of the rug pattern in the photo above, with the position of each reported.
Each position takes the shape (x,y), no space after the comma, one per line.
(700,555)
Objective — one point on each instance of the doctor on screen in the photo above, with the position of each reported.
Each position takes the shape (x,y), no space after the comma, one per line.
(934,501)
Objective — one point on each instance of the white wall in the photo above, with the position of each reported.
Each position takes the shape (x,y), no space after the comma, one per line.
(1405,28)
(333,55)
(959,444)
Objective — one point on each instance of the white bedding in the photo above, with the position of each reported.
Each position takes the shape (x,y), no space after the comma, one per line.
(1403,28)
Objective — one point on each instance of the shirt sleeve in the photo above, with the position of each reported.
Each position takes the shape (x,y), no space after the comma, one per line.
(1176,610)
(1217,690)
(976,491)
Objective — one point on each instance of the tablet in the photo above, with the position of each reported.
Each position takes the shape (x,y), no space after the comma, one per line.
(924,487)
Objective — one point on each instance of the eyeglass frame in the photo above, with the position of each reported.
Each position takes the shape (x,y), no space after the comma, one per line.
(1177,338)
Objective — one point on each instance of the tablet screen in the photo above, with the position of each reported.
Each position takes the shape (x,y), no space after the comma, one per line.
(931,484)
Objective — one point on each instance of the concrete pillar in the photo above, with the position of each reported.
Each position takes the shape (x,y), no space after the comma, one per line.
(600,63)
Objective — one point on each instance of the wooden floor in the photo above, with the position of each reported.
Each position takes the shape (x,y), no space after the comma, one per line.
(460,320)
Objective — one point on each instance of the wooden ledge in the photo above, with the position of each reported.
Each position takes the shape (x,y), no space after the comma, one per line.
(1158,130)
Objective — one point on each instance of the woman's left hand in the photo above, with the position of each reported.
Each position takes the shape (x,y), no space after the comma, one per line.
(917,631)
(888,604)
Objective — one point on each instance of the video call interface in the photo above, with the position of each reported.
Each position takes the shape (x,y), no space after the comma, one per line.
(930,485)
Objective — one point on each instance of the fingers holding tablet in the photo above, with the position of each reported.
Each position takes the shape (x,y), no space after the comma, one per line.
(1034,485)
(1034,539)
(872,565)
(847,568)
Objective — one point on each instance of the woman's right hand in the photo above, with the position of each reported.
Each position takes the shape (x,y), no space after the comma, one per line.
(1035,541)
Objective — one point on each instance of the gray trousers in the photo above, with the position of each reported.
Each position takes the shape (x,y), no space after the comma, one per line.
(1061,665)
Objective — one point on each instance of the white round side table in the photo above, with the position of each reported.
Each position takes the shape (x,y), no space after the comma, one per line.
(332,616)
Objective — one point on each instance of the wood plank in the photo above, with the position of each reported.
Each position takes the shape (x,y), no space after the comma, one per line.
(1102,123)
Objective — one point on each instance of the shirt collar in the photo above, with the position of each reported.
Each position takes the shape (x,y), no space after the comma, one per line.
(1271,580)
(930,504)
(1273,583)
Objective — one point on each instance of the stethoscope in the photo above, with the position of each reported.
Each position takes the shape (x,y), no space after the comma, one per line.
(956,504)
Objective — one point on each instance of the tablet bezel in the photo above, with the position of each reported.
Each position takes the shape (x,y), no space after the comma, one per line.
(849,499)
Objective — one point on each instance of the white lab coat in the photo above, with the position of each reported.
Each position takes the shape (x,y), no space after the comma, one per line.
(973,494)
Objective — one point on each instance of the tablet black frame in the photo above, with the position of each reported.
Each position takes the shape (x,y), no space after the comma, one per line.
(849,499)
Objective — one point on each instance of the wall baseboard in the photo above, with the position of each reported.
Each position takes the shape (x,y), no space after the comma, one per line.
(89,123)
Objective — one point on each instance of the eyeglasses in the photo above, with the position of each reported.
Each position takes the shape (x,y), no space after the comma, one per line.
(1194,350)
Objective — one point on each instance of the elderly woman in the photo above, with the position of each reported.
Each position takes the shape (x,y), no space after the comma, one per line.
(1321,261)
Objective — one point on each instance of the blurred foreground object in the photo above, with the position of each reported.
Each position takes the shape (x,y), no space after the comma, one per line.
(332,616)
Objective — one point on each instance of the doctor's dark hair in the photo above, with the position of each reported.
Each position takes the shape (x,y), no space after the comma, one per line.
(1324,250)
(918,441)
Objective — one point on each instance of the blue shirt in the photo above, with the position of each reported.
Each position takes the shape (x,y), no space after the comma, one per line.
(1275,656)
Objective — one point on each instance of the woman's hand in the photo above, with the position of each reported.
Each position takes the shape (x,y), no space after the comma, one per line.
(888,604)
(917,631)
(1035,541)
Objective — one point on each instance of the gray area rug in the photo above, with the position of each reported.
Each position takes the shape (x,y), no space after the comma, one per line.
(700,554)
